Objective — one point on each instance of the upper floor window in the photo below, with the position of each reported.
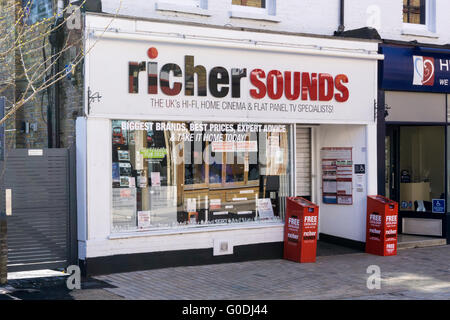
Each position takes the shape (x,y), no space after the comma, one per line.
(414,11)
(264,10)
(37,10)
(250,3)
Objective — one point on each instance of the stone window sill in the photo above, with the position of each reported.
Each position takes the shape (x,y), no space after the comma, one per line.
(172,7)
(253,16)
(206,228)
(410,29)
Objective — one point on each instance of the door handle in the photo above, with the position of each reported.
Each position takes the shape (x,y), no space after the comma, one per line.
(8,202)
(393,180)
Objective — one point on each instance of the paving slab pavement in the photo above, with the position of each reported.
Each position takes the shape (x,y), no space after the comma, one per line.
(414,274)
(419,273)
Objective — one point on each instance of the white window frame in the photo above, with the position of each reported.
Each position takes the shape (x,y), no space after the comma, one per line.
(264,14)
(197,7)
(423,30)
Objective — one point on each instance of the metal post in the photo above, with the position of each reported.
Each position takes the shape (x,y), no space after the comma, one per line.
(3,250)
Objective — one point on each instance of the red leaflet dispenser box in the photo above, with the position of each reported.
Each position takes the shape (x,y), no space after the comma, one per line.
(381,230)
(300,230)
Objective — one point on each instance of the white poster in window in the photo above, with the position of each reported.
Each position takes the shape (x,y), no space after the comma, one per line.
(337,175)
(274,142)
(342,153)
(359,180)
(344,187)
(143,219)
(265,209)
(163,205)
(344,199)
(279,157)
(142,181)
(191,204)
(344,172)
(331,175)
(360,183)
(156,179)
(329,186)
(214,204)
(124,205)
(132,182)
(223,146)
(246,146)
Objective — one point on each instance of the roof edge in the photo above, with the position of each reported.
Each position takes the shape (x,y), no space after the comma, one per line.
(255,30)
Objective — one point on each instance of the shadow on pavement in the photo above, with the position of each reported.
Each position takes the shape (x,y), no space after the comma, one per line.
(52,288)
(330,249)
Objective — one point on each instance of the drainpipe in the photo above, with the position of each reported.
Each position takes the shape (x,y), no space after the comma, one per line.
(56,40)
(341,27)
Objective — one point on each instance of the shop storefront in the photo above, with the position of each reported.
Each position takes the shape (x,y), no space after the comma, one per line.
(416,84)
(192,142)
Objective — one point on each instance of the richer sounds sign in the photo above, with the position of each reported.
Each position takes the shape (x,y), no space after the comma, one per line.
(171,81)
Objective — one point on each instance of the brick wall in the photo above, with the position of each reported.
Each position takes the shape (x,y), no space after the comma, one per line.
(72,94)
(302,16)
(7,64)
(35,111)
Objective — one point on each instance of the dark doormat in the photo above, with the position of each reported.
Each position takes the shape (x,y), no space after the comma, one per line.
(331,249)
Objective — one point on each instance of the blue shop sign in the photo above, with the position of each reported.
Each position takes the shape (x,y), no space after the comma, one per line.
(438,206)
(415,69)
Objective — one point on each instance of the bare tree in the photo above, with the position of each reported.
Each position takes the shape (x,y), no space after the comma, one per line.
(23,78)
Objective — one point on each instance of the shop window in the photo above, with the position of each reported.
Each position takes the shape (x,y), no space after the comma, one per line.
(422,167)
(37,10)
(185,175)
(448,169)
(448,108)
(414,11)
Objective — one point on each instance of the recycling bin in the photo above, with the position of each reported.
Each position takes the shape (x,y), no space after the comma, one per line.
(381,226)
(300,230)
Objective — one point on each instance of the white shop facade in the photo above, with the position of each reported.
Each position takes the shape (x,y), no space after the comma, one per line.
(194,136)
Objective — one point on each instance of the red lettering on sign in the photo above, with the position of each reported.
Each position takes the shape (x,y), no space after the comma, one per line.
(275,93)
(338,83)
(254,78)
(326,87)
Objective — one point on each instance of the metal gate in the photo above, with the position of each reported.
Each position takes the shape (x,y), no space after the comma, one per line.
(42,228)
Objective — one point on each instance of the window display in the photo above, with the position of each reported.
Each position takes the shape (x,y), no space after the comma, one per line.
(337,176)
(422,161)
(182,174)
